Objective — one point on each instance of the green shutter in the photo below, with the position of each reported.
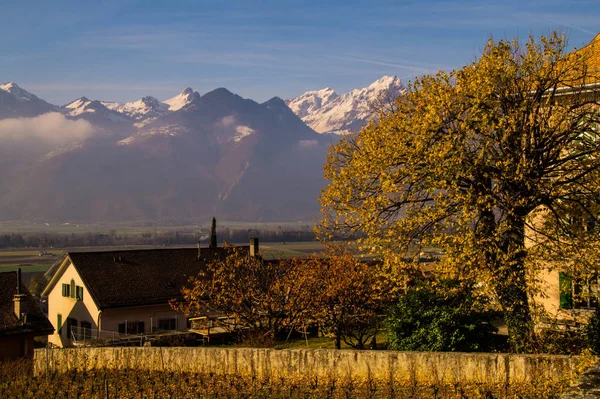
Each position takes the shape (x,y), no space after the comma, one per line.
(59,323)
(565,284)
(64,290)
(72,288)
(79,293)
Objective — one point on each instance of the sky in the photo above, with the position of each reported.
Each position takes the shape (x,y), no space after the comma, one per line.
(124,50)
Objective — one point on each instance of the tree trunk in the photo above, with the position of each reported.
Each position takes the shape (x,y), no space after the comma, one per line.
(338,340)
(374,342)
(511,286)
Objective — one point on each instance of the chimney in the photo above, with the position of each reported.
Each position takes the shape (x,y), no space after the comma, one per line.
(19,281)
(253,247)
(19,298)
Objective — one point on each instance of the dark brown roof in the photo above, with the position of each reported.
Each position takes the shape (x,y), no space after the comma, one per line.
(220,253)
(136,277)
(36,321)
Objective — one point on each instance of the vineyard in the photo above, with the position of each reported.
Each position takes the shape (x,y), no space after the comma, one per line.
(17,381)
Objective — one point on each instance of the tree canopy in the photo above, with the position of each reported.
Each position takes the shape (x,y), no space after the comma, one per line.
(467,162)
(260,297)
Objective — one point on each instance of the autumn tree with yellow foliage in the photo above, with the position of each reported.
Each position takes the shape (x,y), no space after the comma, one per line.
(465,162)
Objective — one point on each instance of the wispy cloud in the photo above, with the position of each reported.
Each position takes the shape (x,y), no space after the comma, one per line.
(403,66)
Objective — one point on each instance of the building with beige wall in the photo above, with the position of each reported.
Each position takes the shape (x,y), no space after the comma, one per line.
(104,295)
(109,294)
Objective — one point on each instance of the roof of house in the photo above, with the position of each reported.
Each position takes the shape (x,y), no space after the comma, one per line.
(590,56)
(219,253)
(127,278)
(136,277)
(36,321)
(592,51)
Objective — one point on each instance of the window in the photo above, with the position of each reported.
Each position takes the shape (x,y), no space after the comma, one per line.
(72,330)
(131,327)
(167,324)
(79,293)
(66,290)
(585,292)
(72,291)
(578,292)
(565,284)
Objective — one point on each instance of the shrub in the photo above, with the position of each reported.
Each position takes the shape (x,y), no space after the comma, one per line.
(446,319)
(592,332)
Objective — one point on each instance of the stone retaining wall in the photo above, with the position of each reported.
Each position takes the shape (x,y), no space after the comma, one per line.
(416,367)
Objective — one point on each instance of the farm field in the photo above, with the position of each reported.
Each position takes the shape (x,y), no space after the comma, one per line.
(30,261)
(291,249)
(133,228)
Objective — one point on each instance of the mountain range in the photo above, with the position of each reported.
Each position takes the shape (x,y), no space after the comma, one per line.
(182,159)
(325,111)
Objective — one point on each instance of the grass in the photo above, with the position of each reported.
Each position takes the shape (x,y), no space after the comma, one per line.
(289,250)
(28,260)
(324,343)
(24,268)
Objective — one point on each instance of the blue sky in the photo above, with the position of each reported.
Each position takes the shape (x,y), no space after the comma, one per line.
(123,50)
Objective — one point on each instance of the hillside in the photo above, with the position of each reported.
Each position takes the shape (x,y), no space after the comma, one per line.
(216,154)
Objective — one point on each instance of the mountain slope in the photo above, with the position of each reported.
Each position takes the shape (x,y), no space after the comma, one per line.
(149,108)
(146,107)
(219,154)
(182,99)
(16,102)
(327,112)
(93,111)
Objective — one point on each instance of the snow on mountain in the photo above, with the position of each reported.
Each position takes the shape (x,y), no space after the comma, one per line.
(161,130)
(18,92)
(16,102)
(147,107)
(327,112)
(181,100)
(311,101)
(83,107)
(78,107)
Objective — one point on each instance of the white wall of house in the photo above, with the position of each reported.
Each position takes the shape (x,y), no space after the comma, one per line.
(82,310)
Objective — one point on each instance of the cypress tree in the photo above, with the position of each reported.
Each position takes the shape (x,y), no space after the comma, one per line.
(213,233)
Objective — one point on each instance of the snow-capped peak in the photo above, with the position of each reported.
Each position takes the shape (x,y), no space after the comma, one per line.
(79,103)
(327,112)
(385,83)
(15,90)
(85,106)
(180,100)
(311,101)
(141,109)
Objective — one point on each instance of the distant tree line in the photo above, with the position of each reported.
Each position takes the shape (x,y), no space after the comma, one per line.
(113,238)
